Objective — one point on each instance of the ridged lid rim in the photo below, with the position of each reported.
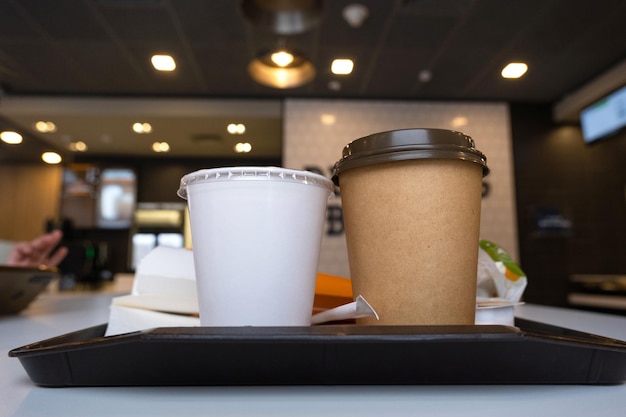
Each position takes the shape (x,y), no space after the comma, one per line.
(407,144)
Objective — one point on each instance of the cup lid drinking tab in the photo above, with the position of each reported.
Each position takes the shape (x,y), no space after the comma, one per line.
(406,144)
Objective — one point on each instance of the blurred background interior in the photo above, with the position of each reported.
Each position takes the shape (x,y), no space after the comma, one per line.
(106,104)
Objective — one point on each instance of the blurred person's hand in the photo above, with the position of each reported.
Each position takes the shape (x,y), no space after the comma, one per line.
(38,252)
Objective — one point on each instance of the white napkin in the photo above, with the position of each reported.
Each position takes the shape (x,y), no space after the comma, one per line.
(354,310)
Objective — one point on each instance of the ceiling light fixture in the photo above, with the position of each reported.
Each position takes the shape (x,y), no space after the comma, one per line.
(11,137)
(282,58)
(294,74)
(78,146)
(425,76)
(342,66)
(514,70)
(163,62)
(236,128)
(161,147)
(355,14)
(45,127)
(142,128)
(283,17)
(243,147)
(51,158)
(334,85)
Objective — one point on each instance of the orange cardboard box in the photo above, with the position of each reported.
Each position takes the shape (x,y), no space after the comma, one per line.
(331,291)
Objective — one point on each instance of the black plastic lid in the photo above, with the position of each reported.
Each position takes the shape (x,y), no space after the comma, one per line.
(406,144)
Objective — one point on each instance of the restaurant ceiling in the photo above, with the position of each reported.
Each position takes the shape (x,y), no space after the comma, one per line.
(102,49)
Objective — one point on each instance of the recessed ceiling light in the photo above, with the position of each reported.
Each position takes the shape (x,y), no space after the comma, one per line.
(425,76)
(51,158)
(334,85)
(514,70)
(266,71)
(282,58)
(78,146)
(141,128)
(163,62)
(236,128)
(342,66)
(243,147)
(11,137)
(45,127)
(161,147)
(355,14)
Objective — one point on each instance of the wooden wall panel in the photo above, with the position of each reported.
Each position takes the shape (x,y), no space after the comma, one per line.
(29,195)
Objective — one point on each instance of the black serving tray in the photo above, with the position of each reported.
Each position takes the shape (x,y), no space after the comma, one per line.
(530,353)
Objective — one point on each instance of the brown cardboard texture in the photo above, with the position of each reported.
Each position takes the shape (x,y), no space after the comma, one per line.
(412,230)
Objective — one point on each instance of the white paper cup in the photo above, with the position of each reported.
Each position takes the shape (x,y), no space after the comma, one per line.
(256,234)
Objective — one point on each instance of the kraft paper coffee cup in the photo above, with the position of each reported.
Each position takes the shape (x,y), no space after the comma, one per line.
(411,205)
(256,235)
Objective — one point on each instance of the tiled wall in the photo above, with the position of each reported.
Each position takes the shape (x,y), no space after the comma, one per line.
(317,130)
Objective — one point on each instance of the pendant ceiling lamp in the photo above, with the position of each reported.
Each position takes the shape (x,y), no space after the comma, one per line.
(281,69)
(283,17)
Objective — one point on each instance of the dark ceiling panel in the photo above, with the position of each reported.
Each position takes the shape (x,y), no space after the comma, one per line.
(40,67)
(140,26)
(107,69)
(224,70)
(103,48)
(417,32)
(14,24)
(72,21)
(207,22)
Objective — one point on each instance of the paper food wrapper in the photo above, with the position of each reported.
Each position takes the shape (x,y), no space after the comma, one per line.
(131,319)
(500,286)
(355,310)
(493,310)
(164,295)
(165,280)
(498,275)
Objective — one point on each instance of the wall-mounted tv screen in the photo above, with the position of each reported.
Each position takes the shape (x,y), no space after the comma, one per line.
(605,117)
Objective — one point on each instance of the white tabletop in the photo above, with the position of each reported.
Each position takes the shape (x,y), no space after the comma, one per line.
(55,314)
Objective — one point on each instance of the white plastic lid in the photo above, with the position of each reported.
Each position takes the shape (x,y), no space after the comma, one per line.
(253,174)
